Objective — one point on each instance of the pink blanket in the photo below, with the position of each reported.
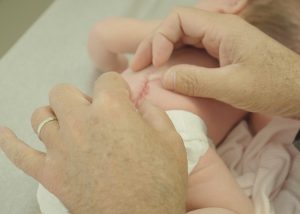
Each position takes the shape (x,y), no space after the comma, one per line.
(267,166)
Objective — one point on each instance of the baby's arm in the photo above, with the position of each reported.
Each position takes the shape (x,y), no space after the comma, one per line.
(212,189)
(112,38)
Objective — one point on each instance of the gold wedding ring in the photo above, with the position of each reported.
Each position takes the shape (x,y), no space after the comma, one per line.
(43,123)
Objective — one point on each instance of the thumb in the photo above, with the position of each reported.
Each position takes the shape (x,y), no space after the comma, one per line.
(197,81)
(155,117)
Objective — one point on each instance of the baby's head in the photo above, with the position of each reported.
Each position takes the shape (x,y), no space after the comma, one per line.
(277,18)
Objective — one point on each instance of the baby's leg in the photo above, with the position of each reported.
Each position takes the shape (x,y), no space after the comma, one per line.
(211,184)
(113,37)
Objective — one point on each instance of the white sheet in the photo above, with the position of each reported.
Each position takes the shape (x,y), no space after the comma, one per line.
(52,51)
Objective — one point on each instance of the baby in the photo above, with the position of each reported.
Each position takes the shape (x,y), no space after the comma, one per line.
(210,173)
(211,185)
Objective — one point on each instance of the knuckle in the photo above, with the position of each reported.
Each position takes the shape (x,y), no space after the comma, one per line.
(58,89)
(116,79)
(109,99)
(108,79)
(113,76)
(111,106)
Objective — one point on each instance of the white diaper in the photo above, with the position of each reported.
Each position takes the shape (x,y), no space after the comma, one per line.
(193,132)
(190,127)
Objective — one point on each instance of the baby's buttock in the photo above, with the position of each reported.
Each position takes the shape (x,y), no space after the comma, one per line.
(146,84)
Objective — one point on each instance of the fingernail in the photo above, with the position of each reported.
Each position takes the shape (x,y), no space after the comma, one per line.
(169,80)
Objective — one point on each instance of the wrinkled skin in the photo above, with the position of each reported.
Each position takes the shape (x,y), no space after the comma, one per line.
(142,158)
(256,74)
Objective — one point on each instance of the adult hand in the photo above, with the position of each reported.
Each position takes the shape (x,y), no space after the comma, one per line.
(102,155)
(256,73)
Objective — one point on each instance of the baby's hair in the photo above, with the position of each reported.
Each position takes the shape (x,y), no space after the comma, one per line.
(277,18)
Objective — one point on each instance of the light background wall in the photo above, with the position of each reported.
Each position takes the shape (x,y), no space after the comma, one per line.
(16,16)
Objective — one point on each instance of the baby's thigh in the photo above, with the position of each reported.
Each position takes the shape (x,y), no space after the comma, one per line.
(211,183)
(219,117)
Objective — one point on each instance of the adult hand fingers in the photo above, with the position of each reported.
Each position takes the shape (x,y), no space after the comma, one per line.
(196,81)
(64,98)
(157,48)
(226,84)
(49,133)
(143,55)
(111,87)
(23,156)
(183,25)
(155,116)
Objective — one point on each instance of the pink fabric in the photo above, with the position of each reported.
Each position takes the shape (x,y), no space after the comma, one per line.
(267,166)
